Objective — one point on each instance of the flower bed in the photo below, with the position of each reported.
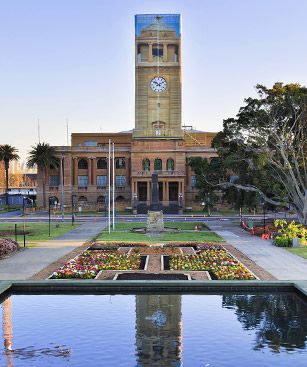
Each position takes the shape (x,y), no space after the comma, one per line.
(89,263)
(214,259)
(7,246)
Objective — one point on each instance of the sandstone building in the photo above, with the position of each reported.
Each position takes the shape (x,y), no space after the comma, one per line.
(157,143)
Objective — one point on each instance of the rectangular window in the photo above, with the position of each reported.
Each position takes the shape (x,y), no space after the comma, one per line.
(193,181)
(102,181)
(90,143)
(120,163)
(120,181)
(82,181)
(54,180)
(157,51)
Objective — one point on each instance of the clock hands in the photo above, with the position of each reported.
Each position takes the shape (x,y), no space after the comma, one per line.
(158,84)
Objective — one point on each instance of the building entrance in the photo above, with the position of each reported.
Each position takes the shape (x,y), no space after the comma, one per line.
(142,191)
(160,191)
(173,191)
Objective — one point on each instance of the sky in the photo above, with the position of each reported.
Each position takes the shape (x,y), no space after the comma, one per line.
(74,60)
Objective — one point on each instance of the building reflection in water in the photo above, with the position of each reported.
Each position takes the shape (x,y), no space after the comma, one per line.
(158,330)
(7,330)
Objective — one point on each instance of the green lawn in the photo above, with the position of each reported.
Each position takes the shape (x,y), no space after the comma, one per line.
(4,209)
(180,225)
(35,231)
(299,251)
(122,234)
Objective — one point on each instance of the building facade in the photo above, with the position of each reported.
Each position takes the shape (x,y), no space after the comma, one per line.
(158,142)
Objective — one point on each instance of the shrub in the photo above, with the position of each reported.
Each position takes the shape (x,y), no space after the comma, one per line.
(282,242)
(288,231)
(7,246)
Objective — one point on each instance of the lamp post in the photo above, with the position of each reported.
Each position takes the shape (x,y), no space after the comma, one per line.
(24,199)
(73,196)
(23,205)
(262,202)
(208,203)
(203,204)
(51,201)
(180,196)
(134,209)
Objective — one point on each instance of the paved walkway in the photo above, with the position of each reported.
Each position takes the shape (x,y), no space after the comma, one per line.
(281,263)
(28,262)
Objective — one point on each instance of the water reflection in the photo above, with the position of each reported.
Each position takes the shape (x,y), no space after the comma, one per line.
(158,330)
(26,352)
(219,330)
(279,319)
(7,331)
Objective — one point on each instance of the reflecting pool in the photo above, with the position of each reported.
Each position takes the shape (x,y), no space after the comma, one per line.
(154,330)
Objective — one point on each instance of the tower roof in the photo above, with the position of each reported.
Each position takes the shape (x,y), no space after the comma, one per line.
(157,25)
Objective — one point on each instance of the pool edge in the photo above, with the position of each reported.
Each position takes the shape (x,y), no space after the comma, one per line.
(127,286)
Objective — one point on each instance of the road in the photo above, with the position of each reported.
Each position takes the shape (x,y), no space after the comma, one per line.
(17,217)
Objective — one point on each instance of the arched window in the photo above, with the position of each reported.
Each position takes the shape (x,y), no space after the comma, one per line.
(120,163)
(101,199)
(119,199)
(82,164)
(102,163)
(158,164)
(146,164)
(82,199)
(55,164)
(170,164)
(53,200)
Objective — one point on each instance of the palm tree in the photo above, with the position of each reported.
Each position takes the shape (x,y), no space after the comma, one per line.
(7,154)
(43,156)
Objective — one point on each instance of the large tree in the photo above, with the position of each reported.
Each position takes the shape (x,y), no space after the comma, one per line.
(265,146)
(43,156)
(7,154)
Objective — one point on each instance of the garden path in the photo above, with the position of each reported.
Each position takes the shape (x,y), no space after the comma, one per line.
(282,264)
(29,261)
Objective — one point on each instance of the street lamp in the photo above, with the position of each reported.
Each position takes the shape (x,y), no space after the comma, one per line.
(134,203)
(208,203)
(24,200)
(134,200)
(73,197)
(180,196)
(51,201)
(262,202)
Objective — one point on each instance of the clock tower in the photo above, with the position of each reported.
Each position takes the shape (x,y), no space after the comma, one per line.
(157,77)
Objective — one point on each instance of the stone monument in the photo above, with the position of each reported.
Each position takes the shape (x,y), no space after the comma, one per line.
(155,223)
(155,204)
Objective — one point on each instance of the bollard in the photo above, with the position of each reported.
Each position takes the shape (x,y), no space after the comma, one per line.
(15,232)
(24,235)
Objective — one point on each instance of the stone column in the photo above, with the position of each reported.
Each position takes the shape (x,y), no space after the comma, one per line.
(94,180)
(89,171)
(75,171)
(183,194)
(150,52)
(167,190)
(165,52)
(148,191)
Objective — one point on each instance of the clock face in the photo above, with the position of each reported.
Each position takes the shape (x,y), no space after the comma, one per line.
(158,84)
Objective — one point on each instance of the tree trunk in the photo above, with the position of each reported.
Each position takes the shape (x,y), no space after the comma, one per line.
(7,164)
(304,219)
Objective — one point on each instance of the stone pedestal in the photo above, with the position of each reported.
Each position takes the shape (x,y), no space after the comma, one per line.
(296,242)
(155,222)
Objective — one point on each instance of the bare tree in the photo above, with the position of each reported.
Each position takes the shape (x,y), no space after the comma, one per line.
(272,129)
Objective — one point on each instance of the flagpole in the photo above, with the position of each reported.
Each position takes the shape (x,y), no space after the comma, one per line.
(109,178)
(62,187)
(113,186)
